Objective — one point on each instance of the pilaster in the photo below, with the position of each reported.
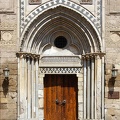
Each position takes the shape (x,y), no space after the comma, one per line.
(80,95)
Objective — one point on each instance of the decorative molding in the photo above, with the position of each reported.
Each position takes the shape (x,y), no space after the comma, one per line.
(60,59)
(52,4)
(27,55)
(95,21)
(22,14)
(59,70)
(99,15)
(93,55)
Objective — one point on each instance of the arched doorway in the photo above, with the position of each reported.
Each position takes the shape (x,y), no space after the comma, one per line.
(59,42)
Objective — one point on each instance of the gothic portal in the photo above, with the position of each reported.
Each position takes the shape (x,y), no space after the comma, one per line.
(60,63)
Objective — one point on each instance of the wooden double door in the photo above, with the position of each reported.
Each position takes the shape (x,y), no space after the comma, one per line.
(60,97)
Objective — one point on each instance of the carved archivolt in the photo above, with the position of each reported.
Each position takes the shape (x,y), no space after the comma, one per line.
(52,4)
(60,18)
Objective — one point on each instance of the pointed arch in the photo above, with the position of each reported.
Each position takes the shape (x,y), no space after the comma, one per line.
(65,16)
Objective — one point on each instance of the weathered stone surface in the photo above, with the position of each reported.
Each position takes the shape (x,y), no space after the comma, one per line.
(8,115)
(3,100)
(40,103)
(3,106)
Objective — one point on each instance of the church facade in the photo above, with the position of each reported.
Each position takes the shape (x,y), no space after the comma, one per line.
(61,56)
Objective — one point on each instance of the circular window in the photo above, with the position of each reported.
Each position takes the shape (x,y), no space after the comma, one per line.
(60,42)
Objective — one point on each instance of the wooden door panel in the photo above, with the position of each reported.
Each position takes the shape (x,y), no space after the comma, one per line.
(51,87)
(70,95)
(61,87)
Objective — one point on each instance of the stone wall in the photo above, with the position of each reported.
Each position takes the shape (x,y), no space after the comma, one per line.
(8,48)
(112,40)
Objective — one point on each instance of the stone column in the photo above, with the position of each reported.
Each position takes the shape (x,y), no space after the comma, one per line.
(33,87)
(27,86)
(103,87)
(80,95)
(92,88)
(22,72)
(88,87)
(95,83)
(26,82)
(29,89)
(22,87)
(36,85)
(18,99)
(84,79)
(98,87)
(41,96)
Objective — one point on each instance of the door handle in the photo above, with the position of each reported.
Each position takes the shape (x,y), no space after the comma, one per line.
(57,101)
(63,102)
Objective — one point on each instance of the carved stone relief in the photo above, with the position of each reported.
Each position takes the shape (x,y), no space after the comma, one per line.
(6,6)
(115,36)
(28,19)
(6,37)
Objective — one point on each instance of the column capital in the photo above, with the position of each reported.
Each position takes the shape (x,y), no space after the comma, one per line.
(27,55)
(93,55)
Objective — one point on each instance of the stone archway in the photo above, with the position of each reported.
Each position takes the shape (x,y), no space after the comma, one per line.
(84,48)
